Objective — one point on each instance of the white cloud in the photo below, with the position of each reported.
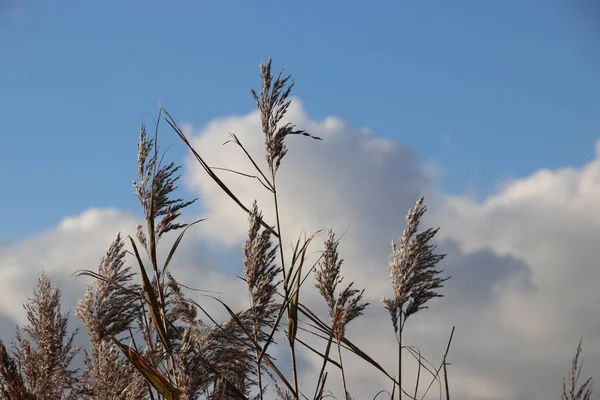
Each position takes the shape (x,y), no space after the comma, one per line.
(525,280)
(78,242)
(524,286)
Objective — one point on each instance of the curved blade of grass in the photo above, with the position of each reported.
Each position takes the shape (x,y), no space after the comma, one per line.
(194,289)
(321,387)
(293,318)
(153,305)
(416,354)
(176,244)
(239,143)
(325,357)
(152,375)
(298,257)
(244,175)
(299,253)
(322,355)
(95,275)
(210,172)
(418,375)
(436,377)
(351,346)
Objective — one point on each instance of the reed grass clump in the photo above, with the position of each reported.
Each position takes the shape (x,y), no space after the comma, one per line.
(150,340)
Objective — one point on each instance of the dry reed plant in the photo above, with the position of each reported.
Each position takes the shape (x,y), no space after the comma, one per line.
(105,311)
(570,389)
(414,276)
(343,307)
(171,352)
(39,367)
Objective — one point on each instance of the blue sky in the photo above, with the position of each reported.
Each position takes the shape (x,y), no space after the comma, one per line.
(485,90)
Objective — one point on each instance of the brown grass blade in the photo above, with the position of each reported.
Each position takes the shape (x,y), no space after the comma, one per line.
(421,360)
(153,304)
(436,377)
(321,387)
(351,346)
(322,355)
(176,244)
(293,318)
(299,253)
(210,172)
(239,143)
(95,275)
(152,375)
(245,175)
(298,258)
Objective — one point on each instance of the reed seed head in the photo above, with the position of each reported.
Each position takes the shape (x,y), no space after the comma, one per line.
(345,306)
(413,270)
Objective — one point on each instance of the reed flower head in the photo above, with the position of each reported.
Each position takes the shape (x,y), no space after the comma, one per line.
(260,271)
(570,389)
(347,304)
(273,103)
(44,350)
(108,310)
(157,183)
(413,269)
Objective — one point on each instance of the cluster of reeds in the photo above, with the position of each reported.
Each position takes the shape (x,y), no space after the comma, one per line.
(175,354)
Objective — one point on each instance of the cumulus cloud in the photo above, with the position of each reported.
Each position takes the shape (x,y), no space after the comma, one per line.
(524,286)
(78,243)
(550,222)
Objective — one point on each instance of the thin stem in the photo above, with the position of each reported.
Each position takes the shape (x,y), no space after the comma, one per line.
(277,222)
(256,329)
(400,357)
(260,386)
(286,289)
(327,350)
(445,363)
(446,381)
(295,372)
(418,376)
(342,371)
